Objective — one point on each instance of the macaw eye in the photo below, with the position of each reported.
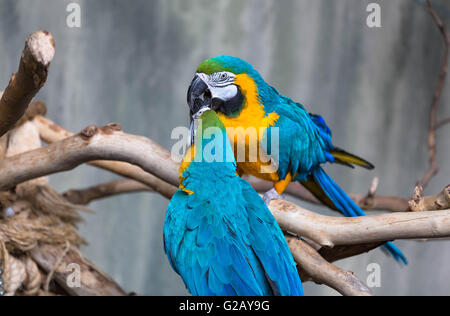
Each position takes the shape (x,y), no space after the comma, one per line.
(223,76)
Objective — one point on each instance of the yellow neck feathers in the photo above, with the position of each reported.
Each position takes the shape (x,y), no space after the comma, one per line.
(252,115)
(188,158)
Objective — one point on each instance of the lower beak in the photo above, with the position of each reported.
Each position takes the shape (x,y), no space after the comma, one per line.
(194,121)
(192,132)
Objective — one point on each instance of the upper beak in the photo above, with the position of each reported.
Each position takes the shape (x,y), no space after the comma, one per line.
(198,95)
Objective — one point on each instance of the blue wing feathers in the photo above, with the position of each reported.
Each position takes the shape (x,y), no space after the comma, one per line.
(271,247)
(306,143)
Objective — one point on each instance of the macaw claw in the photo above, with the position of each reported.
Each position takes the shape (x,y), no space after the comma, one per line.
(272,195)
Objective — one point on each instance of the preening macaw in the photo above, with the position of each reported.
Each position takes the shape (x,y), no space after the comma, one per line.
(237,92)
(219,235)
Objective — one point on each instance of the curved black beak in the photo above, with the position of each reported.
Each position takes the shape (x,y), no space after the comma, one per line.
(198,95)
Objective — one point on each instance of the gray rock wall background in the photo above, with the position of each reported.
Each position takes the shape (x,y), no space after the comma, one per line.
(132,61)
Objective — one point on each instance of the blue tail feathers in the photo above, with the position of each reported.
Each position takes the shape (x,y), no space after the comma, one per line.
(349,208)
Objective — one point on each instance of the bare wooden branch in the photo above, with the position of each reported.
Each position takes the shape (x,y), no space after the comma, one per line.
(104,190)
(93,143)
(323,272)
(434,167)
(3,145)
(438,202)
(28,80)
(51,132)
(342,252)
(442,123)
(3,139)
(94,282)
(330,231)
(36,108)
(381,202)
(25,138)
(21,139)
(123,186)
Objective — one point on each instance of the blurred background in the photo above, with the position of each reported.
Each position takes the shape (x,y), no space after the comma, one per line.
(132,61)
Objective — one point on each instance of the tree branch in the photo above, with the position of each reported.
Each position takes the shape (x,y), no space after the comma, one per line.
(51,132)
(434,167)
(93,282)
(36,108)
(28,80)
(342,252)
(104,190)
(323,272)
(442,123)
(438,202)
(93,143)
(26,227)
(330,231)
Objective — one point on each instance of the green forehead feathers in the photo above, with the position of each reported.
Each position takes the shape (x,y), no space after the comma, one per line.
(211,66)
(225,63)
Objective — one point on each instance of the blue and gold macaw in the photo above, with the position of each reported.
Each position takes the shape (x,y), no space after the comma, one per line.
(243,100)
(219,235)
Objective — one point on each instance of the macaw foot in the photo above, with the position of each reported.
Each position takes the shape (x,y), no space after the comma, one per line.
(272,195)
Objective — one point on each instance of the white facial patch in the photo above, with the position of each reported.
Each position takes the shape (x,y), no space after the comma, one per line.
(224,93)
(220,84)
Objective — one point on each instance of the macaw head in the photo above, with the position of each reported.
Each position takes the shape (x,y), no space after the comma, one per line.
(221,84)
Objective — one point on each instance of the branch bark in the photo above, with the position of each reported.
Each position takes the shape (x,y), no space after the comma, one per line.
(330,231)
(36,108)
(438,202)
(323,272)
(51,133)
(28,80)
(442,123)
(342,252)
(22,139)
(93,143)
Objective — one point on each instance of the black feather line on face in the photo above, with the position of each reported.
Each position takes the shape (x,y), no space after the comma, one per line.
(231,107)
